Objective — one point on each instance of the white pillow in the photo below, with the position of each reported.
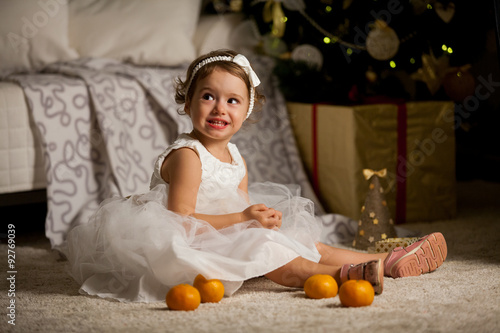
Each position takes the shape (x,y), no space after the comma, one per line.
(144,32)
(214,31)
(33,33)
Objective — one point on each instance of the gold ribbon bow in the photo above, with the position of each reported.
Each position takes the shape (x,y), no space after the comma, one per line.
(274,12)
(368,173)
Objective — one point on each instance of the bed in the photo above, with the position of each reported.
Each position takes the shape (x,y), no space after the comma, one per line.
(20,153)
(86,103)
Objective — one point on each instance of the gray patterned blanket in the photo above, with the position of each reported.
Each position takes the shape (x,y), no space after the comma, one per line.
(102,123)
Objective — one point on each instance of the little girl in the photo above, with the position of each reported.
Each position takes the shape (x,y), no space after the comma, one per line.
(202,217)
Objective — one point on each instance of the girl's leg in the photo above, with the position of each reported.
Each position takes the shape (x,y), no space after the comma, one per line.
(296,272)
(421,257)
(337,257)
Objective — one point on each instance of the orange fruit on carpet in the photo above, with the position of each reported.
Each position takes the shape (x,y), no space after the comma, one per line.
(211,291)
(356,293)
(321,286)
(183,297)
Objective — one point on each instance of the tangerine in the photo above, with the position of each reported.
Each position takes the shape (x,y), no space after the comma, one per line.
(211,291)
(183,297)
(356,293)
(321,286)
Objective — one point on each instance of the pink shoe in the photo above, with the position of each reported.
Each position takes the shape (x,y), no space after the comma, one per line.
(423,256)
(371,271)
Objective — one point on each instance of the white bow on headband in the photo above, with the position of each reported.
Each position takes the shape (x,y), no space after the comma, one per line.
(241,60)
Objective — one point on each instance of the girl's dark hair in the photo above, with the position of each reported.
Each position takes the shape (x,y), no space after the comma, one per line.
(184,90)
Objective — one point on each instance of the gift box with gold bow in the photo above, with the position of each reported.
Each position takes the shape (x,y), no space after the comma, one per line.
(390,244)
(415,141)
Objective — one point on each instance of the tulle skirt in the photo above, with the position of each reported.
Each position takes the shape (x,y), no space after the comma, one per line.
(135,249)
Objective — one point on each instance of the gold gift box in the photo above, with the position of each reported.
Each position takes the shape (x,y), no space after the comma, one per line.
(337,142)
(390,244)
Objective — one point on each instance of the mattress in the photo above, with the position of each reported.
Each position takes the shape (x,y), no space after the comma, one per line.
(21,159)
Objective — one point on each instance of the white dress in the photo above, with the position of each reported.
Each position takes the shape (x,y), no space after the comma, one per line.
(135,249)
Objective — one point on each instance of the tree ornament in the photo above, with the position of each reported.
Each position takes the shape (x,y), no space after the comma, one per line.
(274,13)
(459,83)
(382,42)
(375,223)
(432,72)
(446,13)
(309,54)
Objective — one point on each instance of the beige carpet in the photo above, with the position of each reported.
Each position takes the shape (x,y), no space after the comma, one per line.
(461,296)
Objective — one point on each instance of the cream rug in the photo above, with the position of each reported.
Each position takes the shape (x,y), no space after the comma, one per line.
(461,296)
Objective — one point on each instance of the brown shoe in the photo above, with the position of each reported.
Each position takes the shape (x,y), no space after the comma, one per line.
(371,271)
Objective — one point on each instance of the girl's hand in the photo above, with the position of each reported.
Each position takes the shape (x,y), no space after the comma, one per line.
(270,218)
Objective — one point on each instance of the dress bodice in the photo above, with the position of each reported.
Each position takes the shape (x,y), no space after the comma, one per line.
(218,179)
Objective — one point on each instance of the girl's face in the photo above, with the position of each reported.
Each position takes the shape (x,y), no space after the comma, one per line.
(219,105)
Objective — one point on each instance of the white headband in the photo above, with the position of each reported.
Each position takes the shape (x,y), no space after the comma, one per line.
(240,60)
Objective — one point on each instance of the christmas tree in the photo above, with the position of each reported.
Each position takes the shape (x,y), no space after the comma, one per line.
(343,51)
(375,223)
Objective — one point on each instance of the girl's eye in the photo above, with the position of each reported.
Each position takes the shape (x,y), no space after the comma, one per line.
(232,101)
(208,97)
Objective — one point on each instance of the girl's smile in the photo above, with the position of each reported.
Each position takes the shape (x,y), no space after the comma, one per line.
(217,123)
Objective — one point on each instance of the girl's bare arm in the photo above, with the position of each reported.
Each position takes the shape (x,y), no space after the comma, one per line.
(182,170)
